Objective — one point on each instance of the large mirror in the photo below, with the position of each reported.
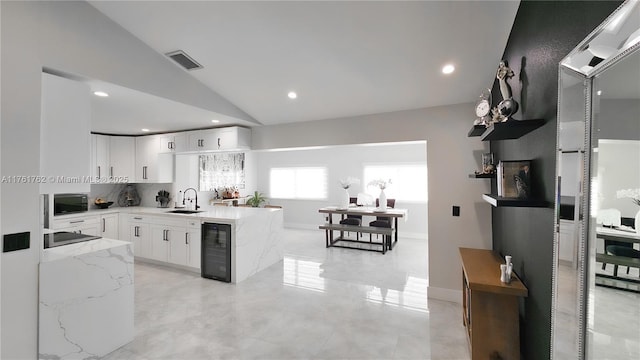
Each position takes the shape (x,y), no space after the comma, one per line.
(596,284)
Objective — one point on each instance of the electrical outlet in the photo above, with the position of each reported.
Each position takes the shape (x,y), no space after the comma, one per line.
(456,210)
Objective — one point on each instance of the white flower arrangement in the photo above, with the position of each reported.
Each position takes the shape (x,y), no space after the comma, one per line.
(633,194)
(381,183)
(346,183)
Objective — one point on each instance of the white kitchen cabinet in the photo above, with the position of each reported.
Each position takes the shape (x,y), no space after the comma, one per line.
(109,226)
(122,163)
(174,143)
(234,138)
(65,150)
(568,241)
(193,235)
(179,247)
(113,158)
(167,143)
(223,139)
(203,140)
(100,156)
(141,238)
(151,165)
(88,225)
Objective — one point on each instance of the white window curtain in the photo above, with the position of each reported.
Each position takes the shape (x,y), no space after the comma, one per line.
(221,170)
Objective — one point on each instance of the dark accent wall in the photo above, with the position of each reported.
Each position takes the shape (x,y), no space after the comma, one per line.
(543,33)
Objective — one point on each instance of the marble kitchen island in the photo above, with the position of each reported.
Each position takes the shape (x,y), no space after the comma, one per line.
(256,236)
(86,300)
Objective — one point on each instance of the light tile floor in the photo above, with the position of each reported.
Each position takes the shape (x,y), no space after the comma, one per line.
(317,303)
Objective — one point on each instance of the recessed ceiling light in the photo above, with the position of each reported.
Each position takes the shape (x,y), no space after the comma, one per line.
(292,95)
(215,121)
(599,92)
(448,69)
(100,93)
(145,130)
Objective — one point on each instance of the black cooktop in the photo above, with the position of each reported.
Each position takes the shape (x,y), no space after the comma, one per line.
(65,238)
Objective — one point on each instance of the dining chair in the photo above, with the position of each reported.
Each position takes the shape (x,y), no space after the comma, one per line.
(383,221)
(353,220)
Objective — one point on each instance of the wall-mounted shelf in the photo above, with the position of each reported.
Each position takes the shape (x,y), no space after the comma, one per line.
(499,201)
(477,130)
(482,176)
(512,129)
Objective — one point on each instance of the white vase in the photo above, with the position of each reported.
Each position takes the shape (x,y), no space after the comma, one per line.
(382,200)
(636,224)
(344,202)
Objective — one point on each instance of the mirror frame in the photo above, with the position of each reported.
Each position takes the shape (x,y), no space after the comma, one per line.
(587,74)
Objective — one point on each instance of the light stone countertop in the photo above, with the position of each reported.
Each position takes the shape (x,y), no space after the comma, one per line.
(228,213)
(80,248)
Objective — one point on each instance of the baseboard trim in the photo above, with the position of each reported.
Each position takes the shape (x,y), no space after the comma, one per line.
(445,294)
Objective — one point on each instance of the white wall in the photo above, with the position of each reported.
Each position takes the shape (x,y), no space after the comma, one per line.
(71,37)
(451,156)
(618,169)
(341,162)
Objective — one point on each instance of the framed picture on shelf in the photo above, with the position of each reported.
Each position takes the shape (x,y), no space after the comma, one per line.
(514,179)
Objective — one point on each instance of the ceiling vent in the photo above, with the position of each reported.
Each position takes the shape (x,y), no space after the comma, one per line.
(184,60)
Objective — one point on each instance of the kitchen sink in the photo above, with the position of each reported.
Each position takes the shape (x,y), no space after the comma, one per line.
(184,211)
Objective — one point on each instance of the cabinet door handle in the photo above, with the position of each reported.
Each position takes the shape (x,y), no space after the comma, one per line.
(104,226)
(76,221)
(218,143)
(169,145)
(111,171)
(98,172)
(144,172)
(186,238)
(137,218)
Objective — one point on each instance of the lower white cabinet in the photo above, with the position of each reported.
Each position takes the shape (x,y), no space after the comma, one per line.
(174,241)
(137,231)
(193,236)
(141,239)
(79,224)
(109,226)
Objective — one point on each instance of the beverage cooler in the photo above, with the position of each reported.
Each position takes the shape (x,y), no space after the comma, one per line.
(216,251)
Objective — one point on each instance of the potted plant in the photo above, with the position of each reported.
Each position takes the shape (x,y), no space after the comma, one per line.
(256,199)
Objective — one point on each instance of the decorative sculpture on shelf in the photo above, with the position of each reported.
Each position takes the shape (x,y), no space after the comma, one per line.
(507,106)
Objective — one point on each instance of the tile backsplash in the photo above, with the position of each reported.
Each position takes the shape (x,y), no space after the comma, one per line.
(147,192)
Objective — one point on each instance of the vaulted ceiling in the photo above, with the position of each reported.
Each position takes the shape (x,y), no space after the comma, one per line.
(341,58)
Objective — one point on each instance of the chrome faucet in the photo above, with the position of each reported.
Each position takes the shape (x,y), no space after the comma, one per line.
(184,199)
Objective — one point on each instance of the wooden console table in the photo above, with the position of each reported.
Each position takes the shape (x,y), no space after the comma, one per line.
(490,307)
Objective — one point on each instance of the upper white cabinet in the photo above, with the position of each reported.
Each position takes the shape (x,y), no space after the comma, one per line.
(113,158)
(234,138)
(203,140)
(64,135)
(121,159)
(151,165)
(100,156)
(230,138)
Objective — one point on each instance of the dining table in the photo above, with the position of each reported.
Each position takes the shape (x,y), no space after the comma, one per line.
(389,234)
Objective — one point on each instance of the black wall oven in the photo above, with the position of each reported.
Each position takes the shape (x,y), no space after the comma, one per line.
(69,203)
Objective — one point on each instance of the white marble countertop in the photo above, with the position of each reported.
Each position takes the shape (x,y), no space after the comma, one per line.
(80,248)
(214,213)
